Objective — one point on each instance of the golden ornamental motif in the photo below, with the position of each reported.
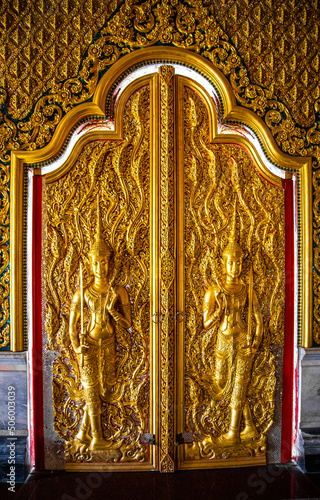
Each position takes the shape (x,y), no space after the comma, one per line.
(42,45)
(101,393)
(234,222)
(291,71)
(279,44)
(167,350)
(190,25)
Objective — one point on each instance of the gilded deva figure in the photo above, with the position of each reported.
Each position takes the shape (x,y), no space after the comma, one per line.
(95,348)
(235,346)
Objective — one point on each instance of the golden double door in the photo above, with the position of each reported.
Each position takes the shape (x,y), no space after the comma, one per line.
(169,188)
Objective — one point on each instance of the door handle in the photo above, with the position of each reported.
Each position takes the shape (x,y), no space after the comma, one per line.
(178,317)
(155,321)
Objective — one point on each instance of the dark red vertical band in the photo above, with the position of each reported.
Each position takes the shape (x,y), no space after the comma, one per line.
(36,371)
(287,399)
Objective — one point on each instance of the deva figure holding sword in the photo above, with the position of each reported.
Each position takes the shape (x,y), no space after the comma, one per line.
(95,343)
(236,344)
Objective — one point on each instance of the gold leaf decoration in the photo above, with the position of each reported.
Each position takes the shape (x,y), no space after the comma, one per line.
(217,178)
(120,172)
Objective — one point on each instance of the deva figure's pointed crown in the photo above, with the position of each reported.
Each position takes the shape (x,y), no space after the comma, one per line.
(99,247)
(233,248)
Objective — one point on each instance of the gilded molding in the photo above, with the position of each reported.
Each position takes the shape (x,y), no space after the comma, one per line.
(167,282)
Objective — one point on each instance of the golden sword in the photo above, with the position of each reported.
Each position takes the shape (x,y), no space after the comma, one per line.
(250,306)
(81,315)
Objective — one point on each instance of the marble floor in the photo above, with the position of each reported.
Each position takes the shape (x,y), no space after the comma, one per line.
(264,483)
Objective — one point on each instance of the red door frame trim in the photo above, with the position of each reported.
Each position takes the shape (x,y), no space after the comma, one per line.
(36,378)
(288,354)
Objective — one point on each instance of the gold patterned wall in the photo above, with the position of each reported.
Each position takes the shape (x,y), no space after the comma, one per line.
(42,43)
(268,50)
(279,44)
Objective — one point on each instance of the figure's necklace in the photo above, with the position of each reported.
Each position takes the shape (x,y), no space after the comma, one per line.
(234,294)
(95,294)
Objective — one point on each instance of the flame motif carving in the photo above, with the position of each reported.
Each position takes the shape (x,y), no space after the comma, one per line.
(120,172)
(215,177)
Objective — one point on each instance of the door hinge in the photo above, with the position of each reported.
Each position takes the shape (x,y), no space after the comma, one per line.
(185,437)
(148,439)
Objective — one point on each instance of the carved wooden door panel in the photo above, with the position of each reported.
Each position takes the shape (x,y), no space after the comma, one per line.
(99,251)
(232,333)
(136,227)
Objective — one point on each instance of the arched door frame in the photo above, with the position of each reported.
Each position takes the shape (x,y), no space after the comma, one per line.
(230,113)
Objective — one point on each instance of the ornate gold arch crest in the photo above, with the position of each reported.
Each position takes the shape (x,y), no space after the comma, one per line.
(189,30)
